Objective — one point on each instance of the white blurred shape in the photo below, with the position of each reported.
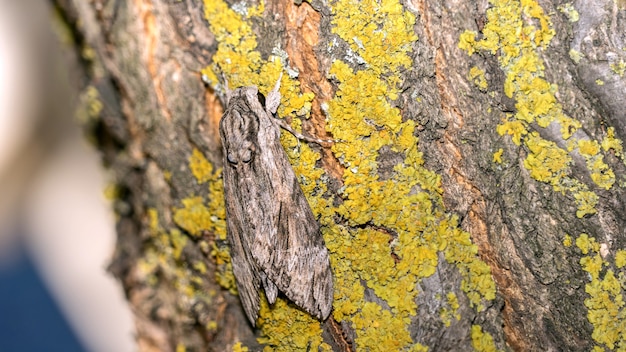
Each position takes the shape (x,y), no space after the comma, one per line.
(16,114)
(55,190)
(71,237)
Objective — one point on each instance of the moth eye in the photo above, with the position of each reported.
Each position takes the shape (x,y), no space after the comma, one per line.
(231,158)
(246,155)
(261,98)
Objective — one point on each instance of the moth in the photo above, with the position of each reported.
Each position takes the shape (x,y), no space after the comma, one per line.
(274,238)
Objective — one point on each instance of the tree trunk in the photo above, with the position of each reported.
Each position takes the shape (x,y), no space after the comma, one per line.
(473,197)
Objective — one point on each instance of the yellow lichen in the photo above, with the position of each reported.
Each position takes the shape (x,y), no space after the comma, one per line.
(194,217)
(586,202)
(200,267)
(380,35)
(620,258)
(567,240)
(606,311)
(200,167)
(90,106)
(482,341)
(477,76)
(198,216)
(512,32)
(163,262)
(545,161)
(515,129)
(569,11)
(575,55)
(238,347)
(111,192)
(362,115)
(612,143)
(497,156)
(178,241)
(467,42)
(619,67)
(586,244)
(605,304)
(287,328)
(450,310)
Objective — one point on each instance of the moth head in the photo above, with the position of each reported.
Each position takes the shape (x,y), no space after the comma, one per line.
(244,153)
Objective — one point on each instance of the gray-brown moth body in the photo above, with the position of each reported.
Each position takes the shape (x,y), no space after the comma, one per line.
(274,238)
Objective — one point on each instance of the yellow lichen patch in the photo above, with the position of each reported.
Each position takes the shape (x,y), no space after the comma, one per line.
(601,174)
(482,341)
(111,192)
(477,76)
(287,328)
(238,347)
(511,32)
(178,241)
(383,330)
(569,11)
(586,244)
(89,106)
(467,42)
(239,62)
(497,156)
(407,205)
(606,311)
(567,241)
(612,143)
(620,258)
(477,282)
(619,67)
(515,129)
(200,267)
(235,56)
(450,310)
(575,55)
(568,125)
(545,161)
(200,167)
(586,202)
(196,217)
(163,263)
(605,304)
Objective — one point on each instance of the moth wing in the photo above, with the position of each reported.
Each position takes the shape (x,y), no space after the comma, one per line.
(244,268)
(271,291)
(291,249)
(302,266)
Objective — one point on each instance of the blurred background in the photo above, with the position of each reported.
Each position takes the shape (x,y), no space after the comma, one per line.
(56,229)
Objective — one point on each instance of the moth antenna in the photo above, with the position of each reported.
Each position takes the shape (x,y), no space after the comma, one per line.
(273,98)
(299,136)
(228,93)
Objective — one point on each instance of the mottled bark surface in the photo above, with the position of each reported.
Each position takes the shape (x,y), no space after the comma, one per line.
(497,122)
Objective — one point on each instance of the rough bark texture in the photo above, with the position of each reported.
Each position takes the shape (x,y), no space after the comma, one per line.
(474,200)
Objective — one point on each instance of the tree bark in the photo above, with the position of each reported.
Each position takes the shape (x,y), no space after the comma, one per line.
(473,198)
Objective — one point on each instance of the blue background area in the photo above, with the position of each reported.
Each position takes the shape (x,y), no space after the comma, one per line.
(30,321)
